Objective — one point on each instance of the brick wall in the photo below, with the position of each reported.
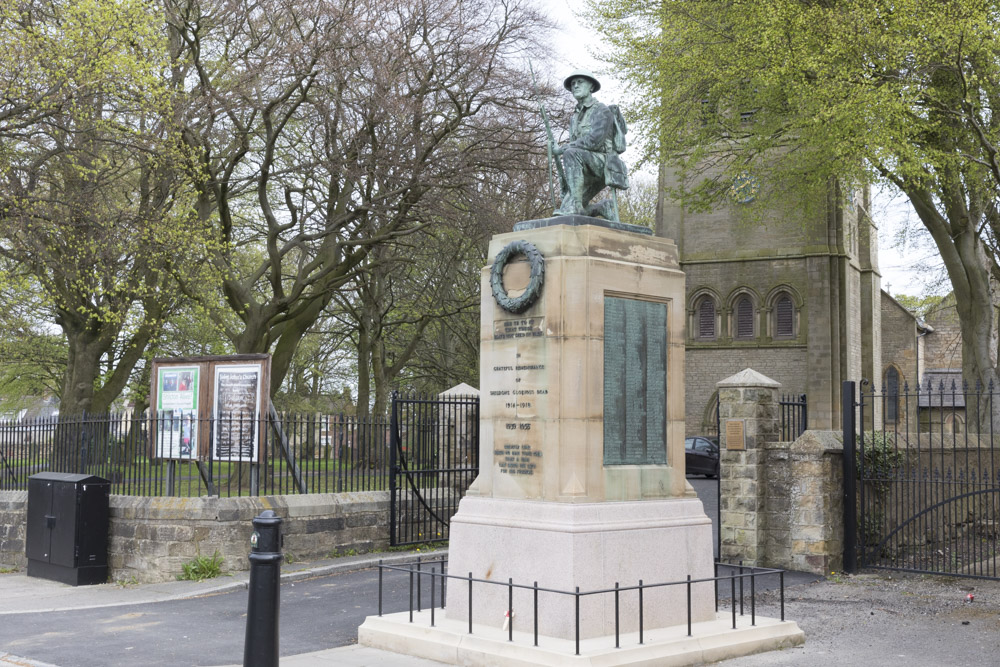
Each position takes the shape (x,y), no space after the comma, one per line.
(706,367)
(899,342)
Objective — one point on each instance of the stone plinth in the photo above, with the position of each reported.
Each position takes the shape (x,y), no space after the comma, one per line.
(542,372)
(450,642)
(582,438)
(590,545)
(581,483)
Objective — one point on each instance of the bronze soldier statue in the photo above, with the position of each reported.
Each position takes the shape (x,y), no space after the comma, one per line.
(590,160)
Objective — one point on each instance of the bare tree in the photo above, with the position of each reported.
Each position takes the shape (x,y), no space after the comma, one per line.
(327,129)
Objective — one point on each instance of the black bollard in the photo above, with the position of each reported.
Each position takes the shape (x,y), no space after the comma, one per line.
(263,606)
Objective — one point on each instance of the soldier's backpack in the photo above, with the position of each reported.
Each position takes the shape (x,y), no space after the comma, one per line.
(621,129)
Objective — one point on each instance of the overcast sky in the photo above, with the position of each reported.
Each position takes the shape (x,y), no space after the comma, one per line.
(908,260)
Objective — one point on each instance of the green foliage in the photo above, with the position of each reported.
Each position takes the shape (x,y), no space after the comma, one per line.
(880,458)
(637,205)
(341,553)
(816,99)
(32,355)
(95,202)
(850,86)
(201,568)
(879,461)
(922,306)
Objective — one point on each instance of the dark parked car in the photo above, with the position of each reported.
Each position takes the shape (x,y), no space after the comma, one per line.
(701,455)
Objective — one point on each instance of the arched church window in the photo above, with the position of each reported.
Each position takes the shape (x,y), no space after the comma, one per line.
(706,319)
(744,318)
(891,395)
(784,317)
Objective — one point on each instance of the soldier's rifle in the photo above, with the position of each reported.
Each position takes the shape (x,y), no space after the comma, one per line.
(551,141)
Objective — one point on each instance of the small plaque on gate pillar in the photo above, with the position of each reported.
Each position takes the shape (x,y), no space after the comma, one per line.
(735,434)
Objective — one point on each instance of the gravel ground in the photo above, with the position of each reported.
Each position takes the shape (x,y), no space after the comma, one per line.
(889,618)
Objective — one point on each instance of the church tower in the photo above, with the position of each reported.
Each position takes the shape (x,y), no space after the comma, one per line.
(790,289)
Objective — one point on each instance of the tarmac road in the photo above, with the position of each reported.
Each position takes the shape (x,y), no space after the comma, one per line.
(316,613)
(708,493)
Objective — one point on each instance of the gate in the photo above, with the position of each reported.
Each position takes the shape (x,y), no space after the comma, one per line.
(922,492)
(434,457)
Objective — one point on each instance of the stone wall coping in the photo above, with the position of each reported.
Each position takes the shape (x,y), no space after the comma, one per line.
(748,377)
(812,440)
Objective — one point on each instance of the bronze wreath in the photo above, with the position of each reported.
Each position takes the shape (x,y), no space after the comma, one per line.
(534,290)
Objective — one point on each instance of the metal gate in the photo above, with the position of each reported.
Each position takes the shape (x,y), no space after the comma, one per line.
(922,492)
(434,457)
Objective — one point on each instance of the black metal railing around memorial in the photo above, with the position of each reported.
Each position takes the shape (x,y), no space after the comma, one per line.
(737,587)
(794,417)
(297,453)
(925,487)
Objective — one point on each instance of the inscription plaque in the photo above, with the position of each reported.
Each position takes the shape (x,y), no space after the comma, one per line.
(735,434)
(526,327)
(635,381)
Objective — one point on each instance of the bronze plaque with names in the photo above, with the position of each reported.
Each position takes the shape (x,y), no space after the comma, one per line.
(735,435)
(635,382)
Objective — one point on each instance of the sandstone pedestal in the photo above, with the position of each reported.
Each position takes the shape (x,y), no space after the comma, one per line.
(581,482)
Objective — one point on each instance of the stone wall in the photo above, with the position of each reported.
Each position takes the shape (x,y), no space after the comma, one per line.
(750,400)
(151,538)
(803,503)
(781,503)
(943,347)
(13,506)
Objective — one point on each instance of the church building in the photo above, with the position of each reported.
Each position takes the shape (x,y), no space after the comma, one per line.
(796,296)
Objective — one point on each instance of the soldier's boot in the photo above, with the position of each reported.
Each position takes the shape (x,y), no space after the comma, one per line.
(604,209)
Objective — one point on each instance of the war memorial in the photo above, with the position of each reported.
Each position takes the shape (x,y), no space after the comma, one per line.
(582,484)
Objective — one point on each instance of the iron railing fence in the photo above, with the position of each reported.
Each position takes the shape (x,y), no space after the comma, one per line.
(927,478)
(740,579)
(299,453)
(434,458)
(794,417)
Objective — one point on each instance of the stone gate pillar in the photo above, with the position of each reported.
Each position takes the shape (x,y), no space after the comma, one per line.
(748,418)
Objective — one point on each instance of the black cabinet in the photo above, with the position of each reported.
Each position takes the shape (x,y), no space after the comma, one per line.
(67,528)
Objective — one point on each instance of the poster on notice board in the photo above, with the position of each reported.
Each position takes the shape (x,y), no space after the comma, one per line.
(236,412)
(177,412)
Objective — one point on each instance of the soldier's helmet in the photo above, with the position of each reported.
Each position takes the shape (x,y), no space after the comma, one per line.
(586,75)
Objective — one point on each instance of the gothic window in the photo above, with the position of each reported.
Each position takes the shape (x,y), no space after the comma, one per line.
(891,395)
(744,319)
(784,317)
(706,319)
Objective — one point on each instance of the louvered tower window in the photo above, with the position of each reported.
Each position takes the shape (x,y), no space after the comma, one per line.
(706,319)
(744,318)
(784,315)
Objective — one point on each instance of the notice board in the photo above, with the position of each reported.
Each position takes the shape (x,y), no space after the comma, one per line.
(212,406)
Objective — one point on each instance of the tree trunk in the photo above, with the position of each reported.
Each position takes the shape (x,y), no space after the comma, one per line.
(966,263)
(82,370)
